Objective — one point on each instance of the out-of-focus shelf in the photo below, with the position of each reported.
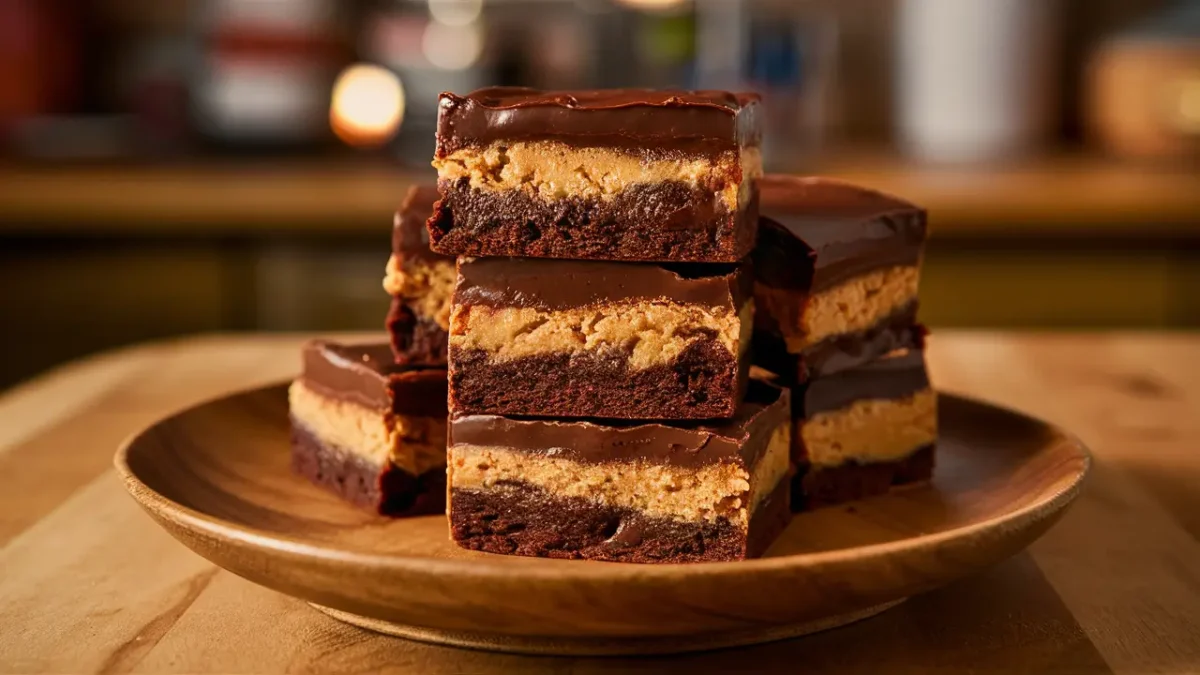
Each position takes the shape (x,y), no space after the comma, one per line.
(1062,197)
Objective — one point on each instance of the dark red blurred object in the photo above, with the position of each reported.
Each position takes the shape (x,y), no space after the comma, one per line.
(39,59)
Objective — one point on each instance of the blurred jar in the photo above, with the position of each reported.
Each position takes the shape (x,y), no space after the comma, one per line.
(266,68)
(975,78)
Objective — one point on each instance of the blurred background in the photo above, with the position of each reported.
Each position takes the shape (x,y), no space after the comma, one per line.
(175,166)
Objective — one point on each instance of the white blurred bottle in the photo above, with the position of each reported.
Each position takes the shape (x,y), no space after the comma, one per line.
(975,78)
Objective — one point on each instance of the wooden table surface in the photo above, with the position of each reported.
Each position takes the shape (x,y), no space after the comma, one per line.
(89,584)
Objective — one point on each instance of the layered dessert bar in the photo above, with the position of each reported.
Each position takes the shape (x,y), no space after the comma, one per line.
(420,283)
(558,338)
(623,491)
(622,174)
(372,432)
(858,432)
(836,274)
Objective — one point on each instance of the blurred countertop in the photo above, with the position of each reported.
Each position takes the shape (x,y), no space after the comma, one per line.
(1069,196)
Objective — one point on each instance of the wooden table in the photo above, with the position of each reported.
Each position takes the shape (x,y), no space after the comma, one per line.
(89,583)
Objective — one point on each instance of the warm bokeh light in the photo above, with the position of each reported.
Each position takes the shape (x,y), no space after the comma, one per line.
(451,47)
(367,106)
(653,4)
(455,12)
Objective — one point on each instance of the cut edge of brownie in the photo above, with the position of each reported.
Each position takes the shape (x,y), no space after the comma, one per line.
(705,381)
(385,489)
(816,487)
(415,340)
(521,519)
(651,222)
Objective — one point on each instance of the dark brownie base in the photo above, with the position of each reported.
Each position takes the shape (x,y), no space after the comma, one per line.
(415,340)
(658,222)
(704,382)
(519,519)
(387,490)
(840,352)
(813,489)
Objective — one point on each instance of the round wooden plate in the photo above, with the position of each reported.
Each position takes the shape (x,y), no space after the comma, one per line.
(217,477)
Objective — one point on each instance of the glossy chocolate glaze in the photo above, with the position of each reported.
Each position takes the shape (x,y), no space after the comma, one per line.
(563,284)
(745,436)
(633,119)
(817,232)
(366,374)
(410,238)
(893,376)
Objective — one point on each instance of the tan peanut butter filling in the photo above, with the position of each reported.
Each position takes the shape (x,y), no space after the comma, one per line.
(721,490)
(550,171)
(426,286)
(872,430)
(415,444)
(855,305)
(652,332)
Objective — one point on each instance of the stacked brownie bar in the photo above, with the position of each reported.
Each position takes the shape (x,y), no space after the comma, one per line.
(836,275)
(600,326)
(369,420)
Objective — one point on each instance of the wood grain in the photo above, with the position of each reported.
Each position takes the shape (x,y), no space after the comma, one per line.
(1113,587)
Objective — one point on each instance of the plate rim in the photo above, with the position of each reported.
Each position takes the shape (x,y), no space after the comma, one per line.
(161,506)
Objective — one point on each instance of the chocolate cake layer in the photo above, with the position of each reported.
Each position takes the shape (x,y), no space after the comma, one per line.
(703,382)
(415,340)
(649,491)
(611,175)
(420,282)
(815,487)
(598,339)
(841,352)
(521,520)
(382,487)
(368,429)
(669,221)
(682,121)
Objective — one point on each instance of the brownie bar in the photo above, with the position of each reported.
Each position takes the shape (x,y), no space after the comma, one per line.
(372,432)
(837,269)
(420,282)
(605,175)
(629,492)
(598,339)
(860,431)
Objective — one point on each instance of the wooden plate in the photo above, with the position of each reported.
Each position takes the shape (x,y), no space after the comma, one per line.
(216,477)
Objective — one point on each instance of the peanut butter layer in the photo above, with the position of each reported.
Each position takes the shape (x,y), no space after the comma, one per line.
(414,444)
(724,490)
(853,306)
(551,171)
(427,286)
(870,431)
(653,333)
